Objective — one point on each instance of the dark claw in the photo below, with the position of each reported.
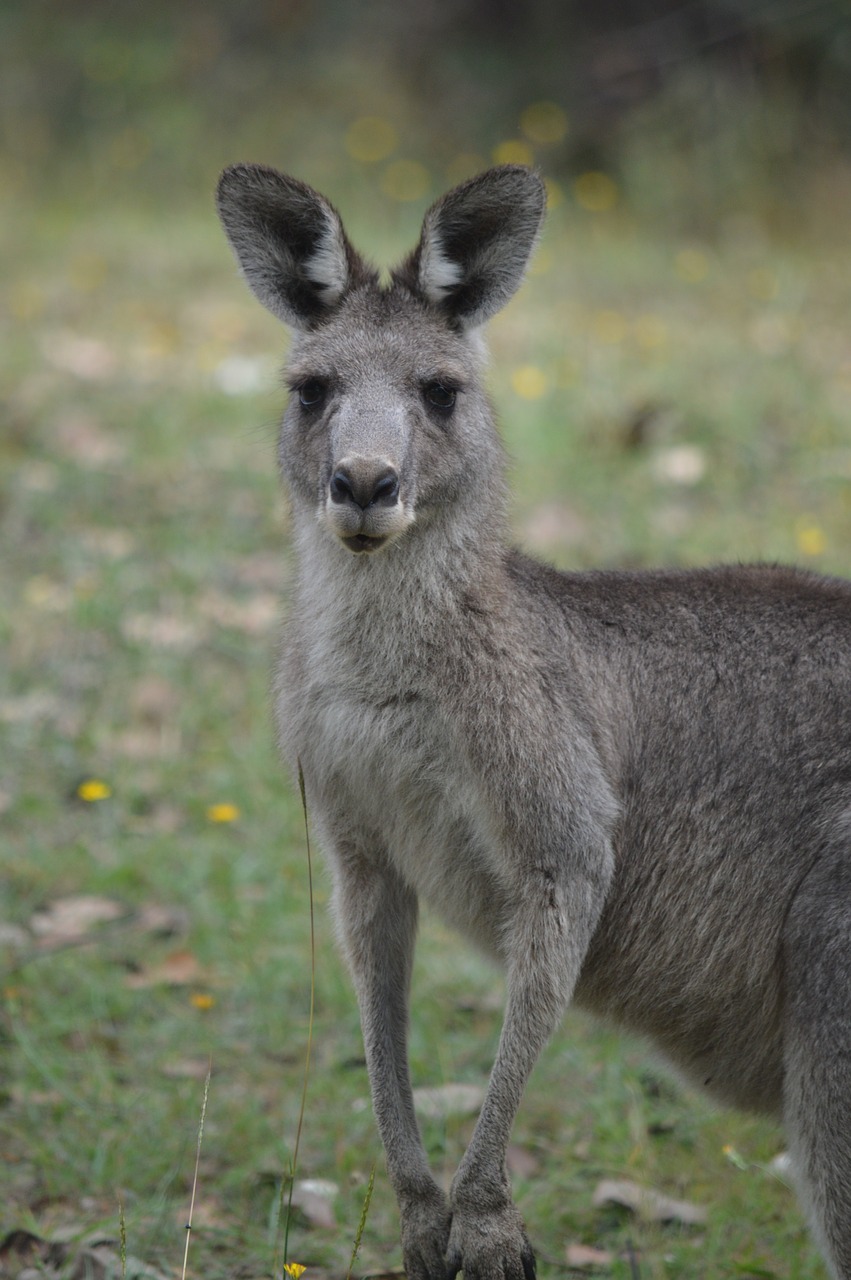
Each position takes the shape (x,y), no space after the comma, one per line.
(529,1268)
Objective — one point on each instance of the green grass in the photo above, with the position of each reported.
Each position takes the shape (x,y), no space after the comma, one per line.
(666,400)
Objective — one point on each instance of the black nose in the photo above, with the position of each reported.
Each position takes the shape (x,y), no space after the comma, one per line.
(365,488)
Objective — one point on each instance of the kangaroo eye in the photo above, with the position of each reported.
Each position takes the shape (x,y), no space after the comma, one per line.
(440,396)
(311,393)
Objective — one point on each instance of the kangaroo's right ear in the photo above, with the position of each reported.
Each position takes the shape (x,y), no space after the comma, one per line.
(475,244)
(289,243)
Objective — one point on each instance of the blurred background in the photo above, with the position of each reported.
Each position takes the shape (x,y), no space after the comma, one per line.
(674,384)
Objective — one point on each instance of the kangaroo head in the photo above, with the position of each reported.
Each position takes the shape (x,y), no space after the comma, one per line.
(387,424)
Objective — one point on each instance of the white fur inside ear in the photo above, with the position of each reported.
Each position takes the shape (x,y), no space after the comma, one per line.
(438,273)
(328,266)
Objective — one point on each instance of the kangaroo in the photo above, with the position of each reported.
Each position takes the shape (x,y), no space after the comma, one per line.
(632,789)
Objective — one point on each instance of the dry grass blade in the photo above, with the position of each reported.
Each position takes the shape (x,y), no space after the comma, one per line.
(197,1163)
(122,1237)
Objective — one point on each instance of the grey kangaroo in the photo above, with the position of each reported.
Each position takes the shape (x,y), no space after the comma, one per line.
(631,789)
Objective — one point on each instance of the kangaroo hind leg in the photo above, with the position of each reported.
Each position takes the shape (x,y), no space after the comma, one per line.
(817,1089)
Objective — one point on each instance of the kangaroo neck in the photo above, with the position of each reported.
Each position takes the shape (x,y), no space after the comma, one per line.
(427,578)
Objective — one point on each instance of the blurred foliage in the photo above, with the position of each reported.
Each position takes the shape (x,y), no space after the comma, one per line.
(696,105)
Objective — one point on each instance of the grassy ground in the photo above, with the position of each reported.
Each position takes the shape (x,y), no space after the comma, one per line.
(668,398)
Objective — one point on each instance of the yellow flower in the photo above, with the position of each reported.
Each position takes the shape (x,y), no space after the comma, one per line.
(294,1269)
(692,265)
(405,180)
(513,151)
(370,139)
(608,327)
(530,382)
(202,1000)
(544,122)
(222,813)
(811,539)
(94,789)
(733,1156)
(595,191)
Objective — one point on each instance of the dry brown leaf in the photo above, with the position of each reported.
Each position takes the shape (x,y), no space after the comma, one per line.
(252,615)
(162,819)
(583,1258)
(553,524)
(449,1100)
(163,920)
(315,1198)
(155,699)
(647,1203)
(162,631)
(14,936)
(178,969)
(24,1255)
(264,569)
(72,918)
(147,742)
(83,439)
(187,1068)
(87,358)
(521,1163)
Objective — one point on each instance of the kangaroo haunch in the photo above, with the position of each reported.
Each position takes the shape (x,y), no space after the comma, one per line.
(632,789)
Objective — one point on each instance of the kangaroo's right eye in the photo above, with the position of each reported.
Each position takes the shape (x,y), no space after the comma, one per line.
(440,396)
(311,393)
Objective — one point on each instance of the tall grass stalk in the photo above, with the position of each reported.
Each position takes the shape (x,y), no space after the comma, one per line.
(197,1163)
(363,1217)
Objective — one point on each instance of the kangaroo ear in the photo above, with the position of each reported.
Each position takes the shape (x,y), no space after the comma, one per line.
(475,244)
(289,243)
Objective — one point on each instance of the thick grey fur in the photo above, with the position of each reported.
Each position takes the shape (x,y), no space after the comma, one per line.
(631,789)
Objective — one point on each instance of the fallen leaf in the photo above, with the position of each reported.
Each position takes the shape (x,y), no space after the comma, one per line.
(647,1203)
(155,699)
(252,615)
(187,1068)
(520,1162)
(449,1100)
(87,358)
(147,742)
(70,919)
(680,464)
(38,704)
(583,1258)
(553,524)
(178,969)
(315,1197)
(162,920)
(162,631)
(24,1255)
(14,936)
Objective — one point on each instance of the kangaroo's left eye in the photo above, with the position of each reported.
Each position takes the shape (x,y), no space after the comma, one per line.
(440,396)
(311,393)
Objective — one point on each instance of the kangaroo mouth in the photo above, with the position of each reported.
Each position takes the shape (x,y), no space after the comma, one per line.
(364,542)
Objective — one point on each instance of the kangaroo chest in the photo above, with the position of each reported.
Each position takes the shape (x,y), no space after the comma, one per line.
(387,771)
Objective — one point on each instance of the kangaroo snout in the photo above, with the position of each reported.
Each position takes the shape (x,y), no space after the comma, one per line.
(366,482)
(363,504)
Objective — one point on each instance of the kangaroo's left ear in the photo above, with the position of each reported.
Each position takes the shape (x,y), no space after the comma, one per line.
(475,244)
(289,242)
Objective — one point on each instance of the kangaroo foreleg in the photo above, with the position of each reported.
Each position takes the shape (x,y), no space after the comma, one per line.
(377,914)
(551,928)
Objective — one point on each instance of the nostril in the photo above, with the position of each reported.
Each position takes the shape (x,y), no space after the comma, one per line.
(386,489)
(364,487)
(340,486)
